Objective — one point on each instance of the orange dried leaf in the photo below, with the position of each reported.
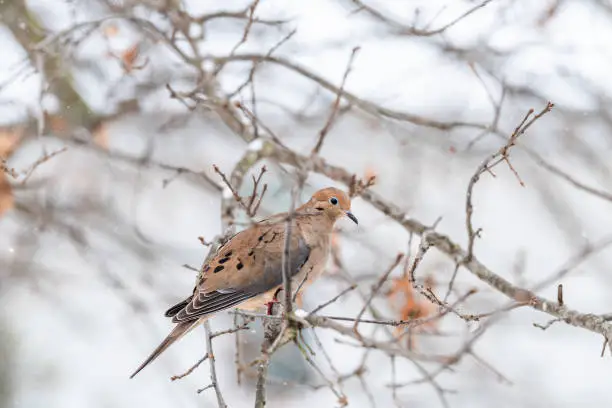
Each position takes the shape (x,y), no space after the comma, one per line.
(369,173)
(57,123)
(9,140)
(111,30)
(7,200)
(100,136)
(128,57)
(410,304)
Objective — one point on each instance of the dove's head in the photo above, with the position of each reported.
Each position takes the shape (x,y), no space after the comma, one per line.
(332,202)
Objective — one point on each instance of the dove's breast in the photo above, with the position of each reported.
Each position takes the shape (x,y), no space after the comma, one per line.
(318,237)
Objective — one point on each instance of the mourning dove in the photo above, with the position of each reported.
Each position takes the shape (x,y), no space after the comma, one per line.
(246,272)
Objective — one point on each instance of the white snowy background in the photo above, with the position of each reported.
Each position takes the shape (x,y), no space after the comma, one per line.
(75,322)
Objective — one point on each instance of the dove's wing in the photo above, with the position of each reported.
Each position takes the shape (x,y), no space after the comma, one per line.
(248,265)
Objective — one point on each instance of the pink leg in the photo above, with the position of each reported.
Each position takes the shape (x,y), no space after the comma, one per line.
(274,300)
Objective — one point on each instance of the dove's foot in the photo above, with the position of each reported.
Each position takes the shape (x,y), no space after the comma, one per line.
(270,306)
(274,300)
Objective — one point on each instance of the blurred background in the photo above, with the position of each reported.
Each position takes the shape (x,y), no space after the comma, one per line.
(113,112)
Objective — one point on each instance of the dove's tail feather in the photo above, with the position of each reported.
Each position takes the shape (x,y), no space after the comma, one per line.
(179,331)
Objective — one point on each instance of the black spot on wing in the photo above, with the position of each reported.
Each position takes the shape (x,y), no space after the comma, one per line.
(224,260)
(239,266)
(274,235)
(273,275)
(218,269)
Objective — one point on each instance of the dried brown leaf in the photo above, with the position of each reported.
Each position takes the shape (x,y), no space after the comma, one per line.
(410,304)
(7,200)
(101,137)
(9,140)
(57,123)
(370,173)
(129,56)
(110,30)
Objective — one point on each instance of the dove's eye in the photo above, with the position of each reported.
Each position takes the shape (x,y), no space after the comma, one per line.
(333,201)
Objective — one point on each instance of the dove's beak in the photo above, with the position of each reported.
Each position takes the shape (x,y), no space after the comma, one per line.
(352,217)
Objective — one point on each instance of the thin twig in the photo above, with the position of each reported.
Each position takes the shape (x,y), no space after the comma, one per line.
(43,159)
(376,288)
(335,106)
(186,373)
(335,298)
(247,29)
(501,155)
(214,382)
(243,326)
(238,354)
(402,29)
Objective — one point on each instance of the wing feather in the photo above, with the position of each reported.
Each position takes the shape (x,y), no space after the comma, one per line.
(233,286)
(195,310)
